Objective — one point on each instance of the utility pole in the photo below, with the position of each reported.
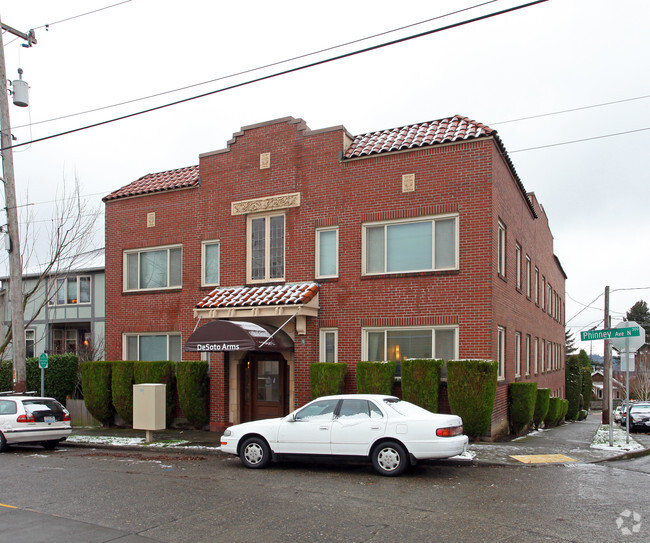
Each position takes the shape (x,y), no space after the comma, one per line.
(15,264)
(607,371)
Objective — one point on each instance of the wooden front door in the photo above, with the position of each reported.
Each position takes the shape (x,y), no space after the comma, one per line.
(263,386)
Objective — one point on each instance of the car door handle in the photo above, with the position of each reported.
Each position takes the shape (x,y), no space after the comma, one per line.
(374,427)
(324,428)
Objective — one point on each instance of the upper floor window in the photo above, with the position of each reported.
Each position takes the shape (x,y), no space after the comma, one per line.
(266,247)
(536,285)
(528,278)
(411,246)
(501,250)
(210,255)
(517,354)
(327,252)
(518,264)
(158,268)
(153,347)
(72,290)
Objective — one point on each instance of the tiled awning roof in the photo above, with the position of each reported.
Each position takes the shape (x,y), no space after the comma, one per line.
(448,130)
(158,182)
(277,295)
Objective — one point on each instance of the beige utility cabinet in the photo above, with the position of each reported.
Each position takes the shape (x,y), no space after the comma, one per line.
(149,406)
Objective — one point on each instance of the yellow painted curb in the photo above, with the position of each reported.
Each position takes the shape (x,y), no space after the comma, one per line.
(9,506)
(543,458)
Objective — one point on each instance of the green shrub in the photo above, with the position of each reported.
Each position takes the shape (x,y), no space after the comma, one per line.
(326,378)
(471,387)
(96,383)
(573,385)
(157,372)
(6,376)
(553,413)
(564,408)
(587,385)
(541,406)
(522,405)
(193,391)
(60,378)
(421,382)
(122,389)
(375,377)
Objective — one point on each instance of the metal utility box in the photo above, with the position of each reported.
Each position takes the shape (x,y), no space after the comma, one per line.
(149,406)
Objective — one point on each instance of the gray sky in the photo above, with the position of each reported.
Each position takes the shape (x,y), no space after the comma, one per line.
(555,56)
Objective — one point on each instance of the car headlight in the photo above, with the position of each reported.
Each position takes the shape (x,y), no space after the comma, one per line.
(227,433)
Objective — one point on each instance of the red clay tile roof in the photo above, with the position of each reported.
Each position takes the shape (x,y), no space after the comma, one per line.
(287,294)
(417,135)
(158,182)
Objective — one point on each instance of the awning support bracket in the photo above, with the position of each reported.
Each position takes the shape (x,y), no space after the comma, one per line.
(281,327)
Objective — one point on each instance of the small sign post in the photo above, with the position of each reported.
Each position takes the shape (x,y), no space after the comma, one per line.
(43,362)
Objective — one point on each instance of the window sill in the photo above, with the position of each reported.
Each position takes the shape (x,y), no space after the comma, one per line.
(152,291)
(435,273)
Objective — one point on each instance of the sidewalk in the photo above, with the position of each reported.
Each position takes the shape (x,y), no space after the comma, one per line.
(572,441)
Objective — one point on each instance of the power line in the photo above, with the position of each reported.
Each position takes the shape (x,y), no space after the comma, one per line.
(283,72)
(48,25)
(251,70)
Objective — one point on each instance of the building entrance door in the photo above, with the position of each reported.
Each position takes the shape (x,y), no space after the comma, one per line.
(263,386)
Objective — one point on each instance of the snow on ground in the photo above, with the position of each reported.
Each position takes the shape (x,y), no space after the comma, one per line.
(601,440)
(135,441)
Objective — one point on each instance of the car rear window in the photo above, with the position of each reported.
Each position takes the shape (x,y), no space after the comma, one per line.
(406,409)
(42,405)
(640,409)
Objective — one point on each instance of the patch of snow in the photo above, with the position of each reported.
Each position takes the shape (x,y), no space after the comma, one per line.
(106,440)
(601,440)
(467,455)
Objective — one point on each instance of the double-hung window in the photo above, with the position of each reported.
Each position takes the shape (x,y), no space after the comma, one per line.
(30,342)
(155,268)
(424,244)
(501,352)
(72,290)
(210,256)
(153,347)
(518,266)
(327,252)
(266,247)
(381,344)
(501,250)
(329,345)
(517,354)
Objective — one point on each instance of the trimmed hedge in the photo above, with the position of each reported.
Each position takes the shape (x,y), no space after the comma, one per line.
(326,378)
(522,405)
(96,383)
(471,387)
(60,378)
(573,386)
(421,382)
(6,376)
(122,389)
(157,372)
(541,406)
(564,408)
(553,413)
(192,386)
(375,377)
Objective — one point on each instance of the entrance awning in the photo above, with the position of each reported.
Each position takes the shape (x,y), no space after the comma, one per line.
(225,336)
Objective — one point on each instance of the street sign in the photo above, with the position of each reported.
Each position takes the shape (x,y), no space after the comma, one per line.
(43,361)
(613,333)
(629,343)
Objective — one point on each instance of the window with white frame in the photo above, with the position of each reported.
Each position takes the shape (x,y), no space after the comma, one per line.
(549,356)
(501,351)
(536,356)
(518,265)
(327,252)
(152,347)
(536,285)
(30,342)
(71,290)
(543,293)
(381,344)
(549,298)
(528,276)
(423,244)
(527,354)
(329,339)
(265,247)
(542,353)
(501,250)
(210,258)
(517,354)
(153,268)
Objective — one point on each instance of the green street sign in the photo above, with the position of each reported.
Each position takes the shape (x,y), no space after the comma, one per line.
(611,333)
(43,361)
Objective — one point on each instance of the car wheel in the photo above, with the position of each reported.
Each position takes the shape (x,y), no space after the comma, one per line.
(49,445)
(255,453)
(389,458)
(3,442)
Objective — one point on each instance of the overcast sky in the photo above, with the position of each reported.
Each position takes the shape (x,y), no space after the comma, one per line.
(555,56)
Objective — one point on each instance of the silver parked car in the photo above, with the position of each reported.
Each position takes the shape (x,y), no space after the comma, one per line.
(32,419)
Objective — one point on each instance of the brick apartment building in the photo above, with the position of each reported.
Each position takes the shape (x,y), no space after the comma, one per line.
(292,246)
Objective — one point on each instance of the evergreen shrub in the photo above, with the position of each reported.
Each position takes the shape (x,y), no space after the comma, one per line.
(326,378)
(122,389)
(60,378)
(471,387)
(96,383)
(522,405)
(553,413)
(375,377)
(573,386)
(421,382)
(6,376)
(541,406)
(192,385)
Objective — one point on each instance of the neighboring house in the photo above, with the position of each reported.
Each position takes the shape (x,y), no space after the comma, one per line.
(598,385)
(419,241)
(66,313)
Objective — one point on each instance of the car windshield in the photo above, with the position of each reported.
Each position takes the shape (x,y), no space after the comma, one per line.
(406,409)
(640,409)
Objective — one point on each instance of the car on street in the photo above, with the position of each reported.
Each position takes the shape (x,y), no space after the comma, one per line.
(639,414)
(32,419)
(389,432)
(618,412)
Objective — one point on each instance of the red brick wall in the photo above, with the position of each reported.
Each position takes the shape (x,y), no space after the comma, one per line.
(469,178)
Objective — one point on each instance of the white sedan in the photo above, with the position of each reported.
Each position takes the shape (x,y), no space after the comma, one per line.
(390,432)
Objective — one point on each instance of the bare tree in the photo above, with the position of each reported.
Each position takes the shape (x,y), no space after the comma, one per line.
(70,235)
